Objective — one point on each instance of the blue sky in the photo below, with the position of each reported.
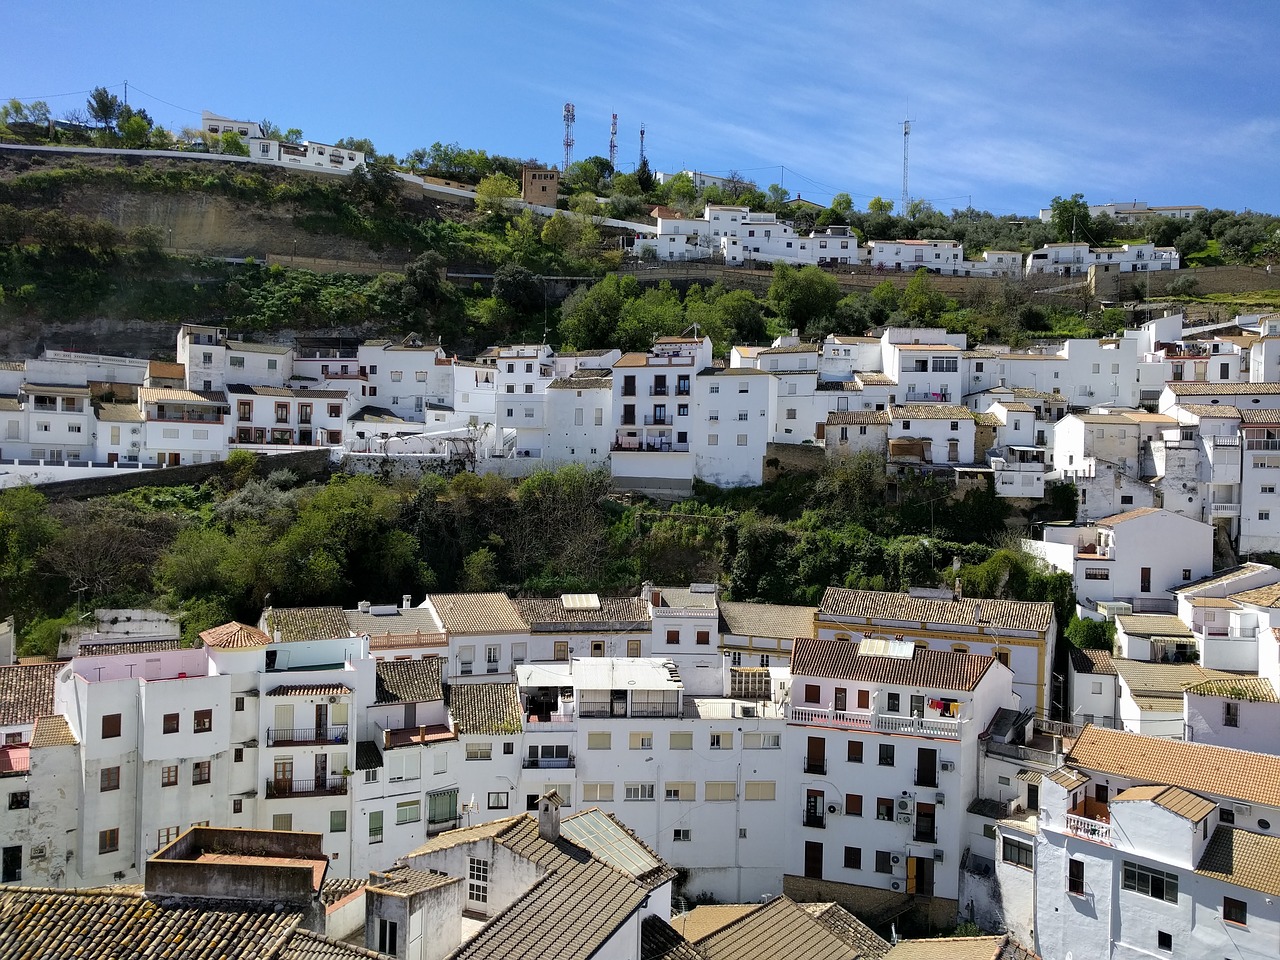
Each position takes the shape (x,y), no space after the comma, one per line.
(1011,103)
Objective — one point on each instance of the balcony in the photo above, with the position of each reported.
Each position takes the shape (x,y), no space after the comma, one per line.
(812,765)
(815,818)
(179,416)
(657,391)
(302,736)
(439,825)
(658,420)
(1224,509)
(940,727)
(548,763)
(326,787)
(633,445)
(1092,822)
(941,396)
(844,719)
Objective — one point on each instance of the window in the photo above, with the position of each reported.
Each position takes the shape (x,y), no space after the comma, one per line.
(638,791)
(170,723)
(1235,911)
(371,775)
(237,805)
(853,804)
(742,439)
(1156,884)
(673,636)
(760,790)
(1264,514)
(1097,573)
(893,702)
(20,800)
(1231,714)
(641,740)
(479,751)
(1075,877)
(282,821)
(597,792)
(337,821)
(884,808)
(201,771)
(1002,655)
(855,751)
(1016,852)
(761,741)
(681,834)
(1164,940)
(1226,816)
(169,776)
(599,740)
(203,721)
(109,840)
(704,637)
(884,861)
(388,936)
(713,439)
(110,726)
(886,755)
(108,779)
(720,790)
(853,858)
(722,741)
(560,650)
(409,812)
(812,693)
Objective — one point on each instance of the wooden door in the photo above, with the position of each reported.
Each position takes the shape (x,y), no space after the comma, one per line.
(813,859)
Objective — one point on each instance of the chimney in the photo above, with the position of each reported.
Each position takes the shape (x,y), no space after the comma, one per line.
(549,816)
(364,606)
(959,591)
(407,600)
(655,597)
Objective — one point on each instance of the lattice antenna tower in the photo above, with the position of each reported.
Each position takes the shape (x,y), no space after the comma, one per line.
(641,163)
(906,140)
(613,142)
(568,134)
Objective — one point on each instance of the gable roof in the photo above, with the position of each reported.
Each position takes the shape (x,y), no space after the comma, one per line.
(1092,661)
(872,605)
(1153,625)
(53,731)
(774,620)
(492,708)
(1174,799)
(779,928)
(306,623)
(1268,596)
(660,941)
(409,681)
(1245,859)
(26,692)
(866,943)
(1002,947)
(234,636)
(469,613)
(1252,689)
(841,660)
(1119,518)
(1199,767)
(627,613)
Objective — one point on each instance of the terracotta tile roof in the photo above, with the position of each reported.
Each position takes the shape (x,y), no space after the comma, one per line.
(840,660)
(485,708)
(122,922)
(165,370)
(1215,771)
(872,379)
(1223,576)
(306,623)
(305,945)
(234,636)
(127,647)
(412,625)
(1096,662)
(581,383)
(1249,860)
(630,613)
(866,943)
(659,941)
(453,838)
(871,605)
(779,928)
(1252,689)
(1153,625)
(775,620)
(1069,779)
(117,413)
(1146,679)
(26,692)
(956,948)
(842,418)
(403,881)
(1126,516)
(243,346)
(53,731)
(469,613)
(339,888)
(1225,411)
(309,690)
(303,393)
(793,348)
(1174,799)
(1197,388)
(1221,603)
(1251,415)
(1268,596)
(987,419)
(1017,406)
(931,411)
(409,681)
(179,395)
(705,597)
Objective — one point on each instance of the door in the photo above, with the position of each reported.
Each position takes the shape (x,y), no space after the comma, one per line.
(926,830)
(322,721)
(920,876)
(815,759)
(282,731)
(1146,580)
(259,434)
(1033,796)
(175,459)
(282,774)
(813,810)
(813,859)
(926,767)
(322,770)
(842,699)
(917,705)
(112,459)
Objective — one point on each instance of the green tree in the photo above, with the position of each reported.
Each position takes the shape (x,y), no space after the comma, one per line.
(231,144)
(1085,633)
(590,315)
(842,203)
(517,287)
(920,300)
(15,111)
(104,107)
(135,132)
(1070,218)
(681,190)
(480,571)
(494,192)
(363,145)
(743,314)
(879,205)
(802,297)
(26,528)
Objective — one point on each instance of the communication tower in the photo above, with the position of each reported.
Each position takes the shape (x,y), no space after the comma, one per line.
(613,142)
(641,163)
(568,134)
(906,139)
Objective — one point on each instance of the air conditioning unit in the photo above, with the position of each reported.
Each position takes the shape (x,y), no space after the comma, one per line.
(904,818)
(938,854)
(906,804)
(895,859)
(948,766)
(136,430)
(941,799)
(896,885)
(134,445)
(833,808)
(1242,809)
(39,851)
(333,699)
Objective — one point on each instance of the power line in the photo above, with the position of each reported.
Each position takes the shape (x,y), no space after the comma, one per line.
(165,102)
(73,93)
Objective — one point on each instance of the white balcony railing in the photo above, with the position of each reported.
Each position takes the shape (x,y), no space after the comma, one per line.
(846,719)
(942,727)
(1088,829)
(1225,509)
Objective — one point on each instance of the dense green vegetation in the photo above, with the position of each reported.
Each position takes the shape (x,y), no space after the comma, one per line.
(223,550)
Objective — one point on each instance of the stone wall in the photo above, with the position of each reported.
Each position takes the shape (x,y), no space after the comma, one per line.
(873,905)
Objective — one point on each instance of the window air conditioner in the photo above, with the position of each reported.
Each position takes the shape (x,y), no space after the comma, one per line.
(1242,809)
(833,808)
(948,766)
(904,818)
(897,885)
(895,859)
